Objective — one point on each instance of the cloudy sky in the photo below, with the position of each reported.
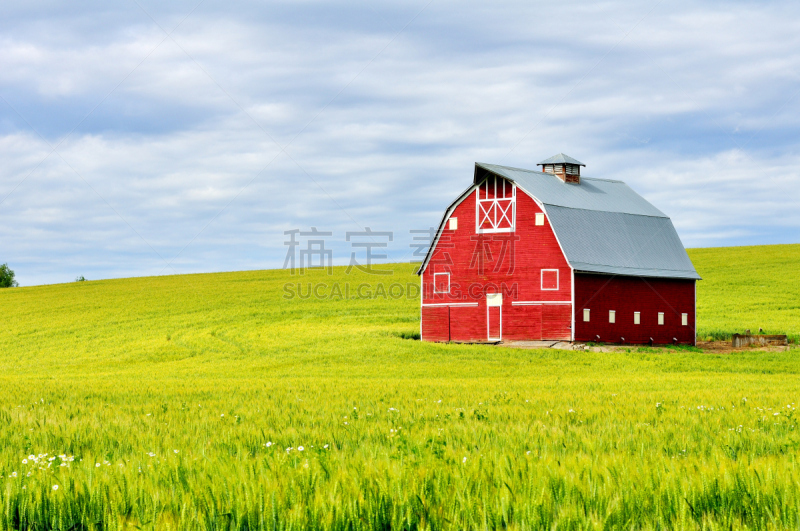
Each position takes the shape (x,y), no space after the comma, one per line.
(138,139)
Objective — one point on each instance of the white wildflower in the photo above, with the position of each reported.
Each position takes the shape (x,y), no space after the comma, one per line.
(300,448)
(268,444)
(55,487)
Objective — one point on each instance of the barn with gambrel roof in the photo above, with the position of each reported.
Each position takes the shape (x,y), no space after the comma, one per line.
(553,255)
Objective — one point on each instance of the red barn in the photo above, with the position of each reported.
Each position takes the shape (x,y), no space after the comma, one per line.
(552,255)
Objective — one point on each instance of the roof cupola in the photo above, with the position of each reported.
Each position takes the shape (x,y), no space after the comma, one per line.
(564,167)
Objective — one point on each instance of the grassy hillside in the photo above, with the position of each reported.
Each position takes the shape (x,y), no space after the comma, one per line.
(213,402)
(748,287)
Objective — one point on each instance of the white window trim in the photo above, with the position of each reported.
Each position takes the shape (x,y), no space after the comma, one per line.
(612,316)
(661,318)
(434,283)
(512,207)
(541,280)
(637,318)
(453,224)
(684,319)
(587,315)
(539,217)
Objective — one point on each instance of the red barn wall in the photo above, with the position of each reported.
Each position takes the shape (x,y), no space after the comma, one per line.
(626,295)
(483,263)
(436,323)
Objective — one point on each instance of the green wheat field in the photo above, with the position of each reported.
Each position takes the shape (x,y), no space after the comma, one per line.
(214,402)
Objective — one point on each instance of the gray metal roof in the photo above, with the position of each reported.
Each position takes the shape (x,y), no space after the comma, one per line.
(603,226)
(561,158)
(592,194)
(618,243)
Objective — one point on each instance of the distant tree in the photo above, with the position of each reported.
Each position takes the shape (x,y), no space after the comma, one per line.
(7,277)
(80,279)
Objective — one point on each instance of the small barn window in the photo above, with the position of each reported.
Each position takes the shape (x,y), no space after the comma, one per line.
(612,316)
(441,282)
(685,319)
(494,299)
(539,219)
(453,223)
(661,318)
(637,318)
(549,279)
(586,315)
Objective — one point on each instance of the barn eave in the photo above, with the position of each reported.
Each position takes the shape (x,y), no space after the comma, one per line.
(442,223)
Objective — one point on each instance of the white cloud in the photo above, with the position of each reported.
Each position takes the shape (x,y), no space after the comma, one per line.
(686,103)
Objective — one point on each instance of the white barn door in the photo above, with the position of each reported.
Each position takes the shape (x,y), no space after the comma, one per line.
(494,316)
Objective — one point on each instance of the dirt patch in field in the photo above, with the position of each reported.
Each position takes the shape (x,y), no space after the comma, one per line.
(709,347)
(724,347)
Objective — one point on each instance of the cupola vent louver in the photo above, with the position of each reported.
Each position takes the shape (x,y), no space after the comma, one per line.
(564,167)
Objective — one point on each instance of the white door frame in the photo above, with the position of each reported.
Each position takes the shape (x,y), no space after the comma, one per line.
(494,300)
